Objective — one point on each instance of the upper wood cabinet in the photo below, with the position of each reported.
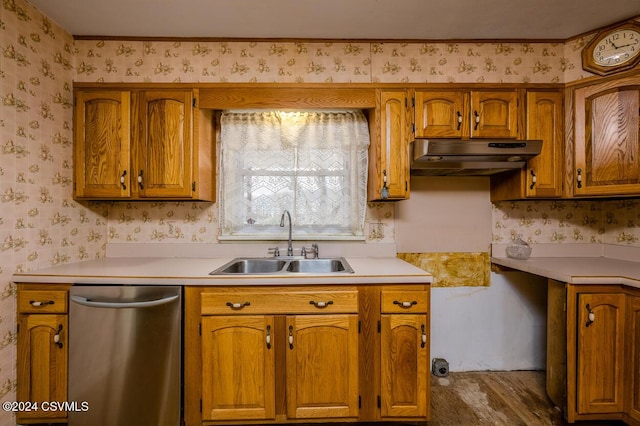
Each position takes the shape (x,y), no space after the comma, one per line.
(466,113)
(390,129)
(543,174)
(143,144)
(607,143)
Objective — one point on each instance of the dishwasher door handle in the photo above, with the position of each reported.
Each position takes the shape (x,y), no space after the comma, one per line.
(119,305)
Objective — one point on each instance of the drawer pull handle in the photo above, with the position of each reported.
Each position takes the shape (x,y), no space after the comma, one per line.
(56,337)
(424,336)
(405,304)
(321,304)
(268,339)
(36,303)
(238,305)
(591,317)
(290,337)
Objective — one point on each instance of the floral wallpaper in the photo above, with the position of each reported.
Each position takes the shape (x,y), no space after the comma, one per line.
(568,221)
(41,225)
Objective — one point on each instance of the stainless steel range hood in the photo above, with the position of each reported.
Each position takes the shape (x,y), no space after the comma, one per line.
(454,157)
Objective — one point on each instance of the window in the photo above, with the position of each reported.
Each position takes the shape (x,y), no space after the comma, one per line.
(312,163)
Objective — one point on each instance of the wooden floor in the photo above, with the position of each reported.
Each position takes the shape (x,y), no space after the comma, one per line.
(495,398)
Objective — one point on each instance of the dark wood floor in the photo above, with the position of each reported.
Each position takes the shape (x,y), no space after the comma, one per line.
(508,398)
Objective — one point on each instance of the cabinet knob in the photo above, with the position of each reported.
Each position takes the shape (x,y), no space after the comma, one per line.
(122,180)
(534,179)
(424,336)
(268,338)
(477,120)
(579,178)
(591,316)
(56,337)
(405,304)
(140,180)
(290,337)
(459,120)
(321,304)
(238,305)
(37,303)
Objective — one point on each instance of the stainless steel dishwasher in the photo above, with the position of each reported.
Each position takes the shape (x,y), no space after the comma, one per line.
(125,349)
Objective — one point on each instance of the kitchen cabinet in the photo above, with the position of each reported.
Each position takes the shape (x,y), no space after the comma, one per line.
(598,378)
(634,356)
(600,352)
(279,347)
(404,354)
(542,177)
(464,114)
(269,353)
(42,351)
(607,142)
(142,144)
(390,132)
(319,346)
(238,369)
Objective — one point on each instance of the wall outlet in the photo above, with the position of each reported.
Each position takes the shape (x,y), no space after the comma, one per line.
(440,367)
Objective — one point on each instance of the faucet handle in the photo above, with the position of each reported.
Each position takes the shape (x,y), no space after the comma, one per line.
(315,249)
(275,251)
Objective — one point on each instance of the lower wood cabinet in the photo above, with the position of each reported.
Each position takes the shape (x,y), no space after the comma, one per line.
(42,351)
(602,362)
(278,354)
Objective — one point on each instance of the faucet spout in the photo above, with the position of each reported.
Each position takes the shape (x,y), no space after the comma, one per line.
(290,244)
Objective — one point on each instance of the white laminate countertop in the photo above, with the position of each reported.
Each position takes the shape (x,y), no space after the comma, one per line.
(195,271)
(578,270)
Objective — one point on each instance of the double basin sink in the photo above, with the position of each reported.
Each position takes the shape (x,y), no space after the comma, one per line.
(283,266)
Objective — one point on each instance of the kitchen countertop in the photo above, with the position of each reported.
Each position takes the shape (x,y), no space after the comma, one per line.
(578,270)
(195,271)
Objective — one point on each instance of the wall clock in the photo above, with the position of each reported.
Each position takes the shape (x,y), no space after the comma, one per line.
(613,50)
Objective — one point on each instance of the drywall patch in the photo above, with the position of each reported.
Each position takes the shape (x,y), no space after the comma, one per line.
(453,269)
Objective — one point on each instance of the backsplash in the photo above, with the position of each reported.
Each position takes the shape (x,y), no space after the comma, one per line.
(568,221)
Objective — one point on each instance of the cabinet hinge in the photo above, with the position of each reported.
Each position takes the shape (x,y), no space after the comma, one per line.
(193,102)
(406,185)
(359,326)
(359,401)
(200,328)
(193,186)
(379,402)
(413,102)
(379,327)
(413,128)
(201,406)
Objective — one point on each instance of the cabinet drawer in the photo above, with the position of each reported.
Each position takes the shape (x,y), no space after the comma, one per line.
(42,301)
(404,301)
(297,302)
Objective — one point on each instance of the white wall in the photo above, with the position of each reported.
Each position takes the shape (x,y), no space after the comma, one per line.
(500,327)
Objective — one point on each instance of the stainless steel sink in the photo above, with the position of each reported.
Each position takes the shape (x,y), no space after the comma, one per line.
(319,266)
(251,266)
(283,266)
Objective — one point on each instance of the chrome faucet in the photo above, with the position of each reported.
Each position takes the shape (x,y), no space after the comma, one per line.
(290,245)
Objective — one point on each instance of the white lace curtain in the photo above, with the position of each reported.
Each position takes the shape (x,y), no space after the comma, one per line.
(312,163)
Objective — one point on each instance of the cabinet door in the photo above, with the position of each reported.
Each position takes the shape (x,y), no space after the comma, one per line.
(634,324)
(164,148)
(322,366)
(607,146)
(441,114)
(102,144)
(545,119)
(494,114)
(42,363)
(404,365)
(600,353)
(238,368)
(389,153)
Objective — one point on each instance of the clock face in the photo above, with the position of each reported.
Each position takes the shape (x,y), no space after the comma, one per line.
(617,48)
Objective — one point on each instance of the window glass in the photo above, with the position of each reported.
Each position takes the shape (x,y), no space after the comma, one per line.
(312,163)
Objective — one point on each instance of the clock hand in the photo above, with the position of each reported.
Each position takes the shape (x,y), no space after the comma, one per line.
(625,45)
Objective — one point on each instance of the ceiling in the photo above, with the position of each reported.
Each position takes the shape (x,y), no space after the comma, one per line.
(339,19)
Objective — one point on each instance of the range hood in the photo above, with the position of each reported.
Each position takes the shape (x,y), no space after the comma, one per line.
(454,157)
